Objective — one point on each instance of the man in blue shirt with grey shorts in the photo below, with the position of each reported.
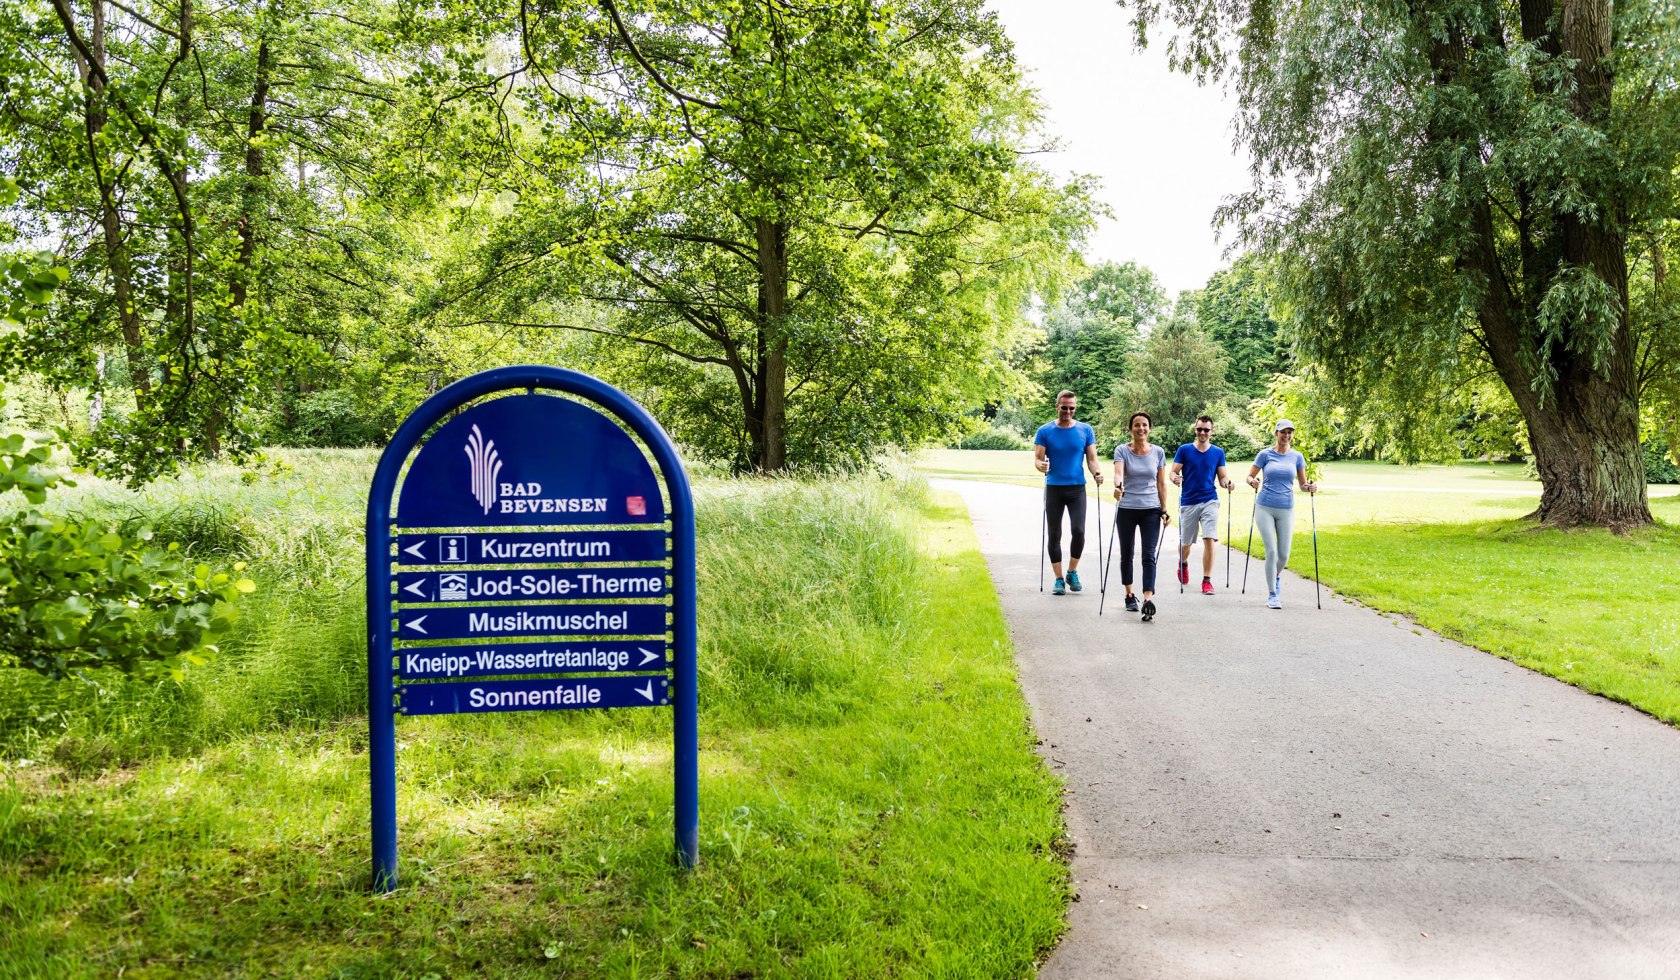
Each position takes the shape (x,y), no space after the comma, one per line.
(1199,468)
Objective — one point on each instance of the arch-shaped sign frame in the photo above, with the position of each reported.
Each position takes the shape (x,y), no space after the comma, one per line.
(381,527)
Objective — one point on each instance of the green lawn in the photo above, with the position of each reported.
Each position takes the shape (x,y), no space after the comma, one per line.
(1447,547)
(871,804)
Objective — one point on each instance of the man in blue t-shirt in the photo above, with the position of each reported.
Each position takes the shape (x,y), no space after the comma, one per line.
(1058,449)
(1199,467)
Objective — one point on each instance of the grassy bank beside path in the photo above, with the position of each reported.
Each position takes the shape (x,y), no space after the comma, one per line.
(871,804)
(1446,546)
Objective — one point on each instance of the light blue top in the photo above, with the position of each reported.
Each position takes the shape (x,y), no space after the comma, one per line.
(1278,471)
(1065,448)
(1138,472)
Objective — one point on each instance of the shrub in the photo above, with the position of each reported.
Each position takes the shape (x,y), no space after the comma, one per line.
(994,438)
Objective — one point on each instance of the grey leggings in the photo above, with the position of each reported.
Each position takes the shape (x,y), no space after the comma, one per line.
(1276,525)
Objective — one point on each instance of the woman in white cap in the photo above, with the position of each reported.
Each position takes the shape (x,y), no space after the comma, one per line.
(1274,510)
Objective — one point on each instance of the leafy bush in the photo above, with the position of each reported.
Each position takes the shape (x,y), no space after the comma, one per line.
(994,438)
(1659,462)
(331,418)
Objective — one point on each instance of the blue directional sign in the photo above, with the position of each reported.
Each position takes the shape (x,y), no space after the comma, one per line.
(470,622)
(534,523)
(531,547)
(506,659)
(558,583)
(461,697)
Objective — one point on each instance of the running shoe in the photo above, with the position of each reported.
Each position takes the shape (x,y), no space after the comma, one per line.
(1131,603)
(1060,589)
(1273,601)
(1207,587)
(1183,573)
(1148,610)
(1073,581)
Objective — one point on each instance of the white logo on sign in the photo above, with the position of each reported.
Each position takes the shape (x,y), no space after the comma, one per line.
(452,587)
(452,548)
(486,468)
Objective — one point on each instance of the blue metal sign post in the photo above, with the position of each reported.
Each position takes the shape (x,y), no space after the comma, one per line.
(532,562)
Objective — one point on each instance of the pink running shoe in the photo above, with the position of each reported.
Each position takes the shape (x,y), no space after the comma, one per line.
(1207,587)
(1183,573)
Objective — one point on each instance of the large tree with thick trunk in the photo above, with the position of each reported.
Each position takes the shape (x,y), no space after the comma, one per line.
(1432,171)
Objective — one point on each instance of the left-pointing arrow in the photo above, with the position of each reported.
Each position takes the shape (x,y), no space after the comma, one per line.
(414,624)
(414,549)
(646,692)
(418,587)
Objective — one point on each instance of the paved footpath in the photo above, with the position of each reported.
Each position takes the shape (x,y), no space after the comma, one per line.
(1302,793)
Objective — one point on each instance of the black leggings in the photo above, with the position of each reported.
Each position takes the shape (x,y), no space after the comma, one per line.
(1148,522)
(1071,499)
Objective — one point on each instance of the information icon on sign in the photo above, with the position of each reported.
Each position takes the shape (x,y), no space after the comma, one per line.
(452,547)
(452,587)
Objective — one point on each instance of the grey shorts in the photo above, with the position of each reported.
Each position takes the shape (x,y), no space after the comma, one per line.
(1204,515)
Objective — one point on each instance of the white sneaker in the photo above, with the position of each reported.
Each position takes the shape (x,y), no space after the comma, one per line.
(1273,602)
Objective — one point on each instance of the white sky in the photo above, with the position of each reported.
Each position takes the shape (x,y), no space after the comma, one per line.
(1160,144)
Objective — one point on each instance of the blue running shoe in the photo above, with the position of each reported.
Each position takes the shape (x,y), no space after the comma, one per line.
(1060,589)
(1073,581)
(1131,603)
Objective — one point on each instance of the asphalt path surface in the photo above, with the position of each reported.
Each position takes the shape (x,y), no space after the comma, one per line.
(1299,793)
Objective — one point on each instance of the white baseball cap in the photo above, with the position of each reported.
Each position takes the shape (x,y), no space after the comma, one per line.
(1283,424)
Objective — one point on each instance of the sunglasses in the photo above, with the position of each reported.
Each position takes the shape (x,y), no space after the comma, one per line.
(1199,431)
(1066,408)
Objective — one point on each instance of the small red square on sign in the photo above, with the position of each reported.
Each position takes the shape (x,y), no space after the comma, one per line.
(637,506)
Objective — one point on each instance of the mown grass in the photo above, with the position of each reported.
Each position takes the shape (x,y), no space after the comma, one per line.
(1447,547)
(870,801)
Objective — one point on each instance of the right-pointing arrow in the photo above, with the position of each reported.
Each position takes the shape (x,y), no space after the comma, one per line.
(646,692)
(414,624)
(648,656)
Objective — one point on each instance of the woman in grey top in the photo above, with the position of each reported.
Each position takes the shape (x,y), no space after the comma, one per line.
(1140,484)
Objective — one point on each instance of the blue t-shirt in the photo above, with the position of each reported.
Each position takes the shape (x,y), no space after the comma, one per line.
(1200,469)
(1066,451)
(1278,470)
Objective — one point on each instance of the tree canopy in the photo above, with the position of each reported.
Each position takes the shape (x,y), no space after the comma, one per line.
(1452,184)
(809,231)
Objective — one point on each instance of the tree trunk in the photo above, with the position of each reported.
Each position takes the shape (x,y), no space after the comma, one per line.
(255,171)
(110,218)
(1586,447)
(772,367)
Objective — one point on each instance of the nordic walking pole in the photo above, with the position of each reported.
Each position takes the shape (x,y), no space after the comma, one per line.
(1227,537)
(1101,576)
(1113,531)
(1183,558)
(1043,536)
(1314,497)
(1250,546)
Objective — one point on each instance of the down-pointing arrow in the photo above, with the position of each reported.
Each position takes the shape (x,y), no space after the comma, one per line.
(646,692)
(418,587)
(648,656)
(414,549)
(414,624)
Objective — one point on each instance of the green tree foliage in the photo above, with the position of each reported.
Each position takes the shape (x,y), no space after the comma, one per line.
(1469,174)
(1234,308)
(807,230)
(1093,333)
(1179,374)
(203,171)
(77,594)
